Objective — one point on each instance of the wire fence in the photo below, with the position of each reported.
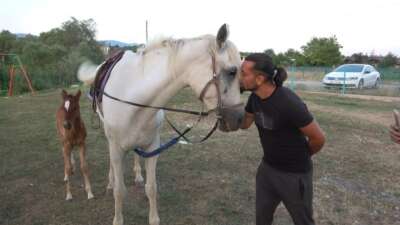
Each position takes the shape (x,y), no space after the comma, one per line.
(310,79)
(299,78)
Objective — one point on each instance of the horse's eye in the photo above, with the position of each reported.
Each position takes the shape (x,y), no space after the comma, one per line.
(232,71)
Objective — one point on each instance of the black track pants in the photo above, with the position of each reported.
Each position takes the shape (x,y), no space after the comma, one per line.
(293,189)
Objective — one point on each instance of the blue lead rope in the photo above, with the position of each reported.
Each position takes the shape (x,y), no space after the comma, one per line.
(162,148)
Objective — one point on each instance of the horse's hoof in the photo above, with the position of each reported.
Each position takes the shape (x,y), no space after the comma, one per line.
(108,190)
(139,182)
(118,221)
(69,197)
(90,195)
(109,187)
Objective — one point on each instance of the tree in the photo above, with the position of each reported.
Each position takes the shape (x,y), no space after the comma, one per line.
(323,52)
(7,41)
(75,35)
(270,52)
(389,60)
(357,58)
(295,58)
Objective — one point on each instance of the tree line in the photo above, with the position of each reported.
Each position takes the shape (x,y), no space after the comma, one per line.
(325,52)
(53,57)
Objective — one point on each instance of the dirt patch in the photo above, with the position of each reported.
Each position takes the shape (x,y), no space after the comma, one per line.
(381,118)
(364,97)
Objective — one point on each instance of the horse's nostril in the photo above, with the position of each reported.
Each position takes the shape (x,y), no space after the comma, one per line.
(67,125)
(242,89)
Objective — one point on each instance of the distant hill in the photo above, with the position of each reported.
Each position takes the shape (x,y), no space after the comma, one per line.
(115,43)
(112,43)
(21,35)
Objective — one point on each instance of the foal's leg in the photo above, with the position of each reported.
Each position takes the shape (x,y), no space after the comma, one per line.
(116,158)
(67,169)
(151,185)
(85,170)
(73,162)
(137,169)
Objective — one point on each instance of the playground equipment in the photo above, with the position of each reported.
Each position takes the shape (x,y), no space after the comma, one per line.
(14,63)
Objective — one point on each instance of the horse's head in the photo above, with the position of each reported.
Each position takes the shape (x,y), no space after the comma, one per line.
(71,108)
(214,76)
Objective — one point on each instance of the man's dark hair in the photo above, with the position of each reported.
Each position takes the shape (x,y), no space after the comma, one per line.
(263,63)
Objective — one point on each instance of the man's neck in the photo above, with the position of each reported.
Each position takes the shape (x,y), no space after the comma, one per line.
(265,90)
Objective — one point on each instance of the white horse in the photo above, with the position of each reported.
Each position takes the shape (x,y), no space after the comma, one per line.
(152,77)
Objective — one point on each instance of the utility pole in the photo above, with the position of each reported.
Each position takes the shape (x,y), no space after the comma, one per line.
(147,33)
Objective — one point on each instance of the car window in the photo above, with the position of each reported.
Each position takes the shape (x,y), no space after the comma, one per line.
(367,69)
(349,68)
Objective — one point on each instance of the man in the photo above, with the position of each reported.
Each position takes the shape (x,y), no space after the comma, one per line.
(289,136)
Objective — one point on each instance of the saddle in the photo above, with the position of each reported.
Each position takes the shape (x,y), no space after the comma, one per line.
(102,75)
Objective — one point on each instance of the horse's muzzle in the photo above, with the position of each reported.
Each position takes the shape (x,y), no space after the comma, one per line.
(231,117)
(67,125)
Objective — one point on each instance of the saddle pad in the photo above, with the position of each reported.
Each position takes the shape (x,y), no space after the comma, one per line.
(102,75)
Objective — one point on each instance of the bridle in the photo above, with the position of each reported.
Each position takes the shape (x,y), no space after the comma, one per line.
(214,80)
(218,110)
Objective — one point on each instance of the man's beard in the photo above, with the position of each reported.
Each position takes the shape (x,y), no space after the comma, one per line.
(243,89)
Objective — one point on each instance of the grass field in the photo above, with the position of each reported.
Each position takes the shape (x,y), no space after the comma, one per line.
(356,175)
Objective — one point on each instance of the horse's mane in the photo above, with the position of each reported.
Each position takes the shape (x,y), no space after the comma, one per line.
(175,44)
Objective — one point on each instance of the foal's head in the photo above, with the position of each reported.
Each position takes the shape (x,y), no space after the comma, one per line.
(70,106)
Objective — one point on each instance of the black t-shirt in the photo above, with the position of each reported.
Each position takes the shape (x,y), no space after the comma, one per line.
(278,119)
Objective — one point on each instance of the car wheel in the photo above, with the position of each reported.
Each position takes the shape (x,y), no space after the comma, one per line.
(361,84)
(377,83)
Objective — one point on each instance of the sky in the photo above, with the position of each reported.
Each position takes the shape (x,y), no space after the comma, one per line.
(366,26)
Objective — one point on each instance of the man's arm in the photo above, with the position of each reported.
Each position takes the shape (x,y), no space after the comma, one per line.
(316,138)
(247,120)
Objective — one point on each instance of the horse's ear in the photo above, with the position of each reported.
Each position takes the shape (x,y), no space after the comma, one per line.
(222,35)
(64,93)
(78,94)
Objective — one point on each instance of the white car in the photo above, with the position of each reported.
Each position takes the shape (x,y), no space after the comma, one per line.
(353,76)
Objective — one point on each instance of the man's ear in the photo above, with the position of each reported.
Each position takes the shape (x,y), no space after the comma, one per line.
(260,79)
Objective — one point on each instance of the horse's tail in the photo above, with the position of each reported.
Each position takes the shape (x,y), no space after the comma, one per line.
(87,72)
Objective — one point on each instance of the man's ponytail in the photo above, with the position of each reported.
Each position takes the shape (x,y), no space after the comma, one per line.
(279,76)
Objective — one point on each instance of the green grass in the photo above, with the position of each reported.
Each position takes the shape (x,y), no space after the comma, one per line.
(356,174)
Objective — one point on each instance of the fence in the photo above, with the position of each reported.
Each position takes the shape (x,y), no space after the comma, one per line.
(309,79)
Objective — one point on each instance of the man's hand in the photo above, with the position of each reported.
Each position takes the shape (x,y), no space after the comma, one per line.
(395,134)
(316,138)
(248,119)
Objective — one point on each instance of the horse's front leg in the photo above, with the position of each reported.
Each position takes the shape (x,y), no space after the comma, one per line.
(137,170)
(85,170)
(110,184)
(151,186)
(116,159)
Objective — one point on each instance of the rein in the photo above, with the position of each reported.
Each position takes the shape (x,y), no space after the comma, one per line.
(157,107)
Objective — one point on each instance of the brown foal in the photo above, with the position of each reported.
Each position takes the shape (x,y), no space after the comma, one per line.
(72,132)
